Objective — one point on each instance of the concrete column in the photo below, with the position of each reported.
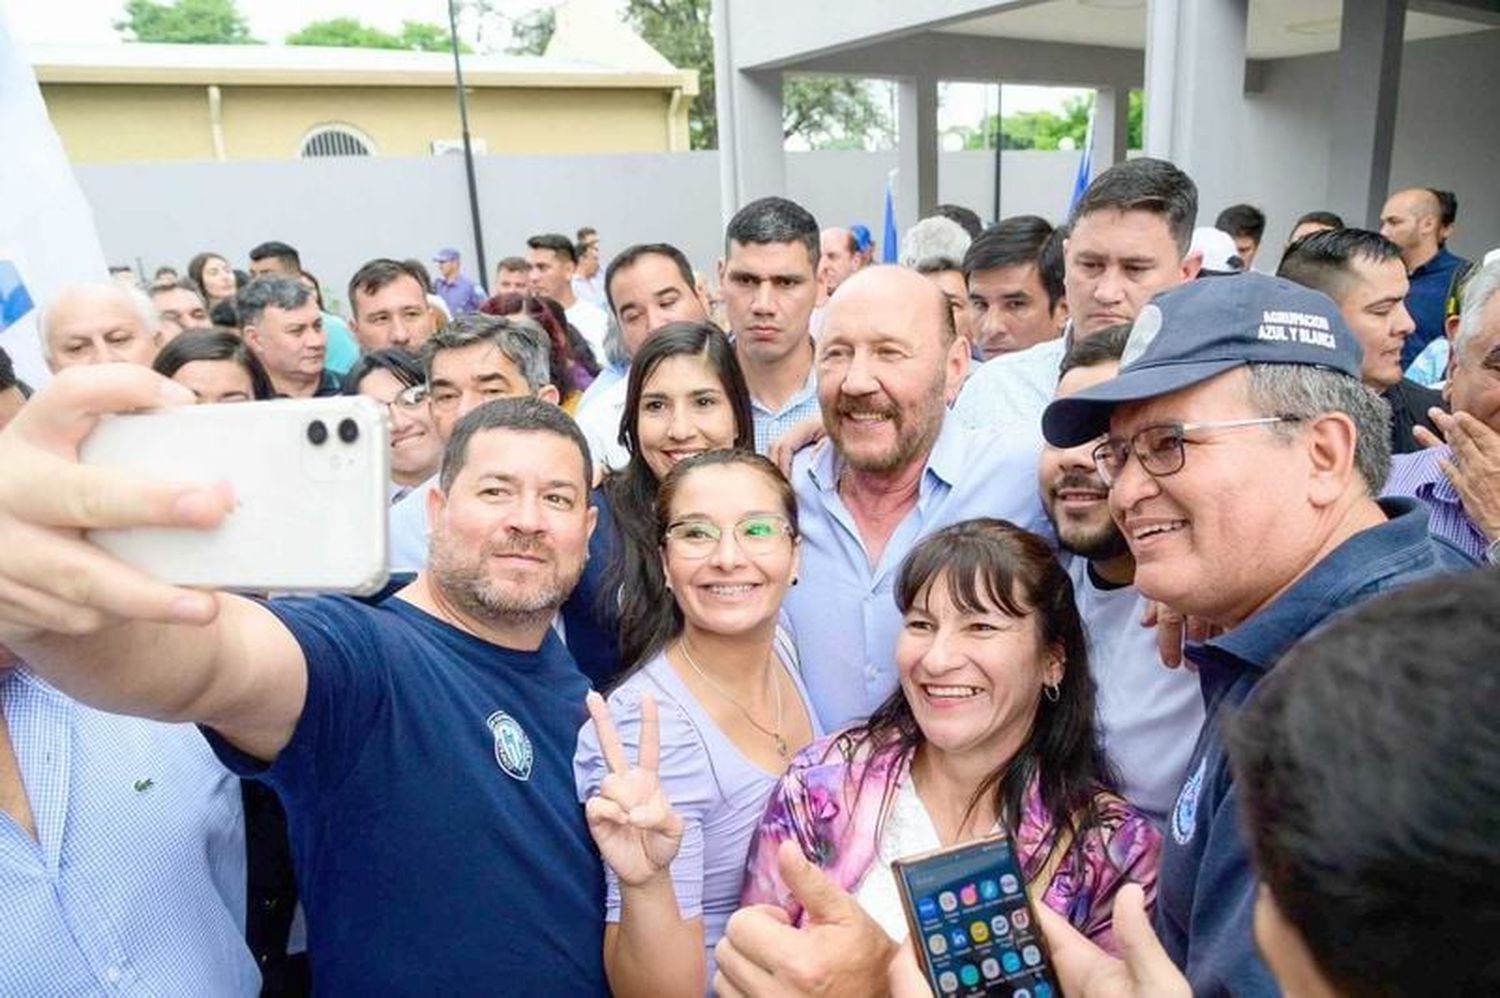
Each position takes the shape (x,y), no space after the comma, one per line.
(1364,110)
(1195,86)
(1111,126)
(752,162)
(917,149)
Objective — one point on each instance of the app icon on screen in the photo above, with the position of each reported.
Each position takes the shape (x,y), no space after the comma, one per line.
(979,932)
(969,974)
(1031,955)
(1000,925)
(958,937)
(1020,918)
(1020,993)
(968,894)
(937,943)
(1043,990)
(947,901)
(1010,961)
(1009,884)
(989,890)
(990,968)
(948,981)
(927,909)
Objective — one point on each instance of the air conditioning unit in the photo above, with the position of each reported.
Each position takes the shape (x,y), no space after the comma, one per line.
(455,147)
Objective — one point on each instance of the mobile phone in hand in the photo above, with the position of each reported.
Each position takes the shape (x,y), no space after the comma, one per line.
(972,925)
(310,480)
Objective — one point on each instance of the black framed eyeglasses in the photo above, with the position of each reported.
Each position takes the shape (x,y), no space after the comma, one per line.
(758,534)
(1162,449)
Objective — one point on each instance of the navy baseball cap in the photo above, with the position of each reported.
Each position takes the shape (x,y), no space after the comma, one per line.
(1201,329)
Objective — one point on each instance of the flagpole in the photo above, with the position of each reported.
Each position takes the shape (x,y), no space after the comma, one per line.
(463,118)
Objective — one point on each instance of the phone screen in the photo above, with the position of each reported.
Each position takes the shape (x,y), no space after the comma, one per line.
(972,923)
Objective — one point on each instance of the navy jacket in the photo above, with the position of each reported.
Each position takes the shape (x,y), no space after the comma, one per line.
(1206,887)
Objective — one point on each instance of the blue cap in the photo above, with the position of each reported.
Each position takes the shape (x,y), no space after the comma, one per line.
(445,254)
(862,237)
(1201,329)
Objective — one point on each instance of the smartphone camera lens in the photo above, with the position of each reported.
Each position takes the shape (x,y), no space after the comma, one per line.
(348,431)
(317,433)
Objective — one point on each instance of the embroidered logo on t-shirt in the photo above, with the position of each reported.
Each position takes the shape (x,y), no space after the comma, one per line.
(512,747)
(1185,814)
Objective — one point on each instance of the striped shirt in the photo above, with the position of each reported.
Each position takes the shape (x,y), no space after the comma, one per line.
(136,880)
(1418,475)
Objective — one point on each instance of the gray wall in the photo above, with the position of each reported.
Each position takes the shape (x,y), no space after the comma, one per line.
(339,213)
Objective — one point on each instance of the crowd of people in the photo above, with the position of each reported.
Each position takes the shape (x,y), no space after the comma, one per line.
(713,597)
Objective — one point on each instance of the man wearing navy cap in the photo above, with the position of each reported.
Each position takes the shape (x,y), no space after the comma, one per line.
(1243,455)
(458,292)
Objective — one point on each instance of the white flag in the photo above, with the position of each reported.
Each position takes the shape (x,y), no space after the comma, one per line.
(47,235)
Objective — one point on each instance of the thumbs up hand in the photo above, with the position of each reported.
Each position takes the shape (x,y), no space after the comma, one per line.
(839,951)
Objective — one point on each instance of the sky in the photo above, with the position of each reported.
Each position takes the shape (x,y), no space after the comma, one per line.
(91,21)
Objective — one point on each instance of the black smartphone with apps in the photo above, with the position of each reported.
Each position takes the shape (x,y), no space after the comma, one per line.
(972,925)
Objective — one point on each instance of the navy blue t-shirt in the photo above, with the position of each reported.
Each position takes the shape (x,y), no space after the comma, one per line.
(1205,900)
(439,845)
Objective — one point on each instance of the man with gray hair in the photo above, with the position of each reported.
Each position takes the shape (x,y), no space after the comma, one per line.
(99,323)
(282,324)
(935,248)
(475,359)
(1243,454)
(1459,480)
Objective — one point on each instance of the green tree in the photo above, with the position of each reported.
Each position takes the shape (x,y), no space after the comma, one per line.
(530,33)
(204,22)
(1046,129)
(348,32)
(833,112)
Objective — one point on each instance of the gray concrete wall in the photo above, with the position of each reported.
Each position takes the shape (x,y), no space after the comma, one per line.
(339,213)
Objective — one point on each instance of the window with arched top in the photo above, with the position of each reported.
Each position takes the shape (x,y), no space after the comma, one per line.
(336,139)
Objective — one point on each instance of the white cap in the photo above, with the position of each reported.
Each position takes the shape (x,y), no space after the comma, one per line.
(1218,250)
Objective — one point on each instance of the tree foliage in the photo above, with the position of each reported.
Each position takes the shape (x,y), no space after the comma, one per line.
(349,32)
(825,111)
(1047,130)
(203,22)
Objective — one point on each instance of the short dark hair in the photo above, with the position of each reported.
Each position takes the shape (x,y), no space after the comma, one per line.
(1106,345)
(520,339)
(967,218)
(631,254)
(378,273)
(524,414)
(1321,261)
(265,291)
(1447,205)
(419,270)
(1012,242)
(224,314)
(7,371)
(1145,184)
(774,220)
(213,344)
(556,242)
(1368,767)
(405,367)
(1319,217)
(584,231)
(514,264)
(1242,220)
(181,284)
(274,250)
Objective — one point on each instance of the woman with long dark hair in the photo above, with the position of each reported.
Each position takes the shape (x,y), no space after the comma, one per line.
(712,714)
(216,365)
(991,728)
(212,273)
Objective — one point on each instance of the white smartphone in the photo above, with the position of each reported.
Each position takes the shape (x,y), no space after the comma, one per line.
(310,479)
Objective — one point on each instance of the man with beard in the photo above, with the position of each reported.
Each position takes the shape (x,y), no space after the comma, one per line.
(893,468)
(422,746)
(1149,715)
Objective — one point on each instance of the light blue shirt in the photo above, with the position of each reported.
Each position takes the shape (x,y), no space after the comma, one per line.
(770,425)
(1430,368)
(843,616)
(608,375)
(406,529)
(136,880)
(1006,395)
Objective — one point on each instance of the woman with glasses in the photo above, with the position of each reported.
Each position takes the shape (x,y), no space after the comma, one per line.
(394,378)
(686,395)
(675,771)
(216,365)
(990,729)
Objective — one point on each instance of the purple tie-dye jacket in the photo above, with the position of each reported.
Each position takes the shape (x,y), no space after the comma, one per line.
(824,805)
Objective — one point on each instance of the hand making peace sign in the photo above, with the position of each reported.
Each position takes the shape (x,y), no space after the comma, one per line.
(632,823)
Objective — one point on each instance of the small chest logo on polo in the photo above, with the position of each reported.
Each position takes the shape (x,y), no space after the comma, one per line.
(1185,814)
(512,747)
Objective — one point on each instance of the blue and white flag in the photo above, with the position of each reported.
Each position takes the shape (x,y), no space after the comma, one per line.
(890,242)
(1085,163)
(47,234)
